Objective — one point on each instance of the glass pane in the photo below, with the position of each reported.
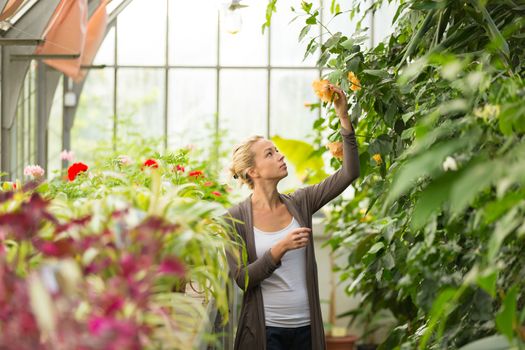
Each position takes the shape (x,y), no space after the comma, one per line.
(290,91)
(193,32)
(243,102)
(93,124)
(286,49)
(140,102)
(54,129)
(248,47)
(289,117)
(383,21)
(192,106)
(106,52)
(142,33)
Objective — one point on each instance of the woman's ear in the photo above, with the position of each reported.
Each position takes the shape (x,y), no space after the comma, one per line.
(252,173)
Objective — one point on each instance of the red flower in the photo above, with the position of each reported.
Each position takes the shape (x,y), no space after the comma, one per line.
(180,168)
(172,266)
(59,249)
(216,193)
(75,169)
(196,174)
(152,163)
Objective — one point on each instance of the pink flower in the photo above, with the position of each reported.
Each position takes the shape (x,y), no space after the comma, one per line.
(124,160)
(67,155)
(208,184)
(35,171)
(172,266)
(180,168)
(216,193)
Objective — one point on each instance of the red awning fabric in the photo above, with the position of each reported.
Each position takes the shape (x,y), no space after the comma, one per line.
(10,9)
(66,34)
(96,32)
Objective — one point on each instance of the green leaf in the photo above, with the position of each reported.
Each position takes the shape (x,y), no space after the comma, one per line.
(512,118)
(377,73)
(431,199)
(270,9)
(487,281)
(376,247)
(306,6)
(423,165)
(348,43)
(441,306)
(299,153)
(475,178)
(503,228)
(506,317)
(491,28)
(312,20)
(333,40)
(323,59)
(494,342)
(304,31)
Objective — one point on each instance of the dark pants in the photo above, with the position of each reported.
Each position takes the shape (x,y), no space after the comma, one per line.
(279,338)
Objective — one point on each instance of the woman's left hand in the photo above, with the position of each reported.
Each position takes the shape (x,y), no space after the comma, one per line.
(341,106)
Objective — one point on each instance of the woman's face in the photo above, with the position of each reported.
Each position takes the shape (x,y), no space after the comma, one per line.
(269,163)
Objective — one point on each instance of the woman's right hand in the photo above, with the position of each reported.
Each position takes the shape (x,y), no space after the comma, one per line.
(295,239)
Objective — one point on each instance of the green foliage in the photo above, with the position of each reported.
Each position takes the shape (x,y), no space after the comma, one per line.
(435,232)
(123,208)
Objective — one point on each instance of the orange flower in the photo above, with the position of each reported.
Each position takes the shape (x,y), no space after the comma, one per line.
(377,158)
(322,90)
(355,84)
(336,148)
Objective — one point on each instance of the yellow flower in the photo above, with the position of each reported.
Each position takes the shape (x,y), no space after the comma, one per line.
(336,148)
(355,84)
(322,89)
(366,218)
(377,158)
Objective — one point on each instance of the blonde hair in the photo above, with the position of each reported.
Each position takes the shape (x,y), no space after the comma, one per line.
(243,159)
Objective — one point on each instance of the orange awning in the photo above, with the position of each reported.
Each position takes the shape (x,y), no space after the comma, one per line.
(96,32)
(10,9)
(66,34)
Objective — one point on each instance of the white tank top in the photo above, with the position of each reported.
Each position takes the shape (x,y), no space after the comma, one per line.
(284,293)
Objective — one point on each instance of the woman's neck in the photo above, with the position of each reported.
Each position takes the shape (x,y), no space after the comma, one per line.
(265,197)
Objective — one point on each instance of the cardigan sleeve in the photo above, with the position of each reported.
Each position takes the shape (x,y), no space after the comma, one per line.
(319,194)
(247,275)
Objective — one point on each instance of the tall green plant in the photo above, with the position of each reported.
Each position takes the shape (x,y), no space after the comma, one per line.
(440,123)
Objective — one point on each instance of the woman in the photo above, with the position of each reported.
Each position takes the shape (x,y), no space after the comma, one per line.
(280,308)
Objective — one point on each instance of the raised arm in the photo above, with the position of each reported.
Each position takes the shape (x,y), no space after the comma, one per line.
(320,194)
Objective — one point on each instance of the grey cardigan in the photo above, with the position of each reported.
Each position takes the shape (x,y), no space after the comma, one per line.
(302,204)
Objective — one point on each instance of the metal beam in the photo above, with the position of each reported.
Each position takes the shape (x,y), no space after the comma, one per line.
(17,16)
(41,119)
(113,15)
(21,42)
(39,57)
(31,25)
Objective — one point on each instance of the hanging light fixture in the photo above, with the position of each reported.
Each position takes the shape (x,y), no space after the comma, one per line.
(231,16)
